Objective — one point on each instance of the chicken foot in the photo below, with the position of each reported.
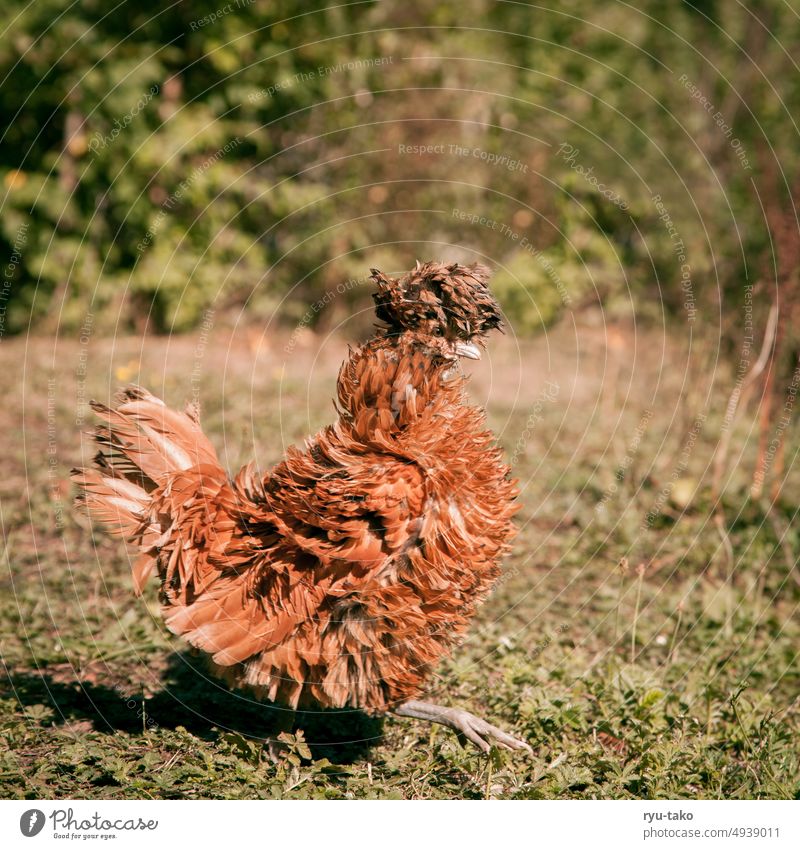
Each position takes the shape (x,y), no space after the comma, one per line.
(465,724)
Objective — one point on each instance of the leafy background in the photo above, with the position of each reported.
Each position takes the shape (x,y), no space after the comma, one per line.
(317,190)
(195,207)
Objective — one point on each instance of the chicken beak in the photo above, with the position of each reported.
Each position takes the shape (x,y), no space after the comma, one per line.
(468,349)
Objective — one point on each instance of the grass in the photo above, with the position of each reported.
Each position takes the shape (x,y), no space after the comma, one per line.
(642,658)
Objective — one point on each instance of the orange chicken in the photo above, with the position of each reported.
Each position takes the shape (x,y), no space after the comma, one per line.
(341,576)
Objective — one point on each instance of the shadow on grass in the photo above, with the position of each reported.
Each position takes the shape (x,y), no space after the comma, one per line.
(200,704)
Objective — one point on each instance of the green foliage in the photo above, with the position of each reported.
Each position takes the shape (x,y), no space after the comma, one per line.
(100,701)
(110,114)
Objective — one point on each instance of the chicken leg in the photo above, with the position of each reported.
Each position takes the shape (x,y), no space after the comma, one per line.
(465,724)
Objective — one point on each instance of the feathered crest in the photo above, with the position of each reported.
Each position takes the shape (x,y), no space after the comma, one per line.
(434,295)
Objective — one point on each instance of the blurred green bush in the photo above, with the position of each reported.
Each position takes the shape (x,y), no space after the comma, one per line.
(159,160)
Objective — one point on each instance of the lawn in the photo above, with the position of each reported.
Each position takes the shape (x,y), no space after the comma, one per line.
(643,649)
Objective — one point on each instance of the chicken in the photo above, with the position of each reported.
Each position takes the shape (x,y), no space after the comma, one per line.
(342,576)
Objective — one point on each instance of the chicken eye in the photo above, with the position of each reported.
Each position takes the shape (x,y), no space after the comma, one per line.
(438,331)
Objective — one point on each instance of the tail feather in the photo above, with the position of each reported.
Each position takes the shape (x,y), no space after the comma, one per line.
(115,501)
(142,437)
(156,481)
(141,443)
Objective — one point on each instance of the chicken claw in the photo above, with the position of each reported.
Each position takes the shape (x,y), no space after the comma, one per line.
(465,724)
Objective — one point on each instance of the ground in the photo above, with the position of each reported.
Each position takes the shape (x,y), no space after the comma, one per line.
(643,649)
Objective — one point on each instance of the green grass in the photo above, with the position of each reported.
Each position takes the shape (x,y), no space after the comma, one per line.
(640,662)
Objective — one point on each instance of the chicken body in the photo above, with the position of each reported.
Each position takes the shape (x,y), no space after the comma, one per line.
(343,575)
